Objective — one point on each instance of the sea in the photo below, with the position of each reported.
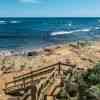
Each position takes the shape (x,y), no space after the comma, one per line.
(28,33)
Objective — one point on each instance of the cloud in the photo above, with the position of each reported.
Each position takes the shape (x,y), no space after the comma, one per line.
(29,1)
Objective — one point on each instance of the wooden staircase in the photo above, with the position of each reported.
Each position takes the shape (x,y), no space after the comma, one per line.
(33,81)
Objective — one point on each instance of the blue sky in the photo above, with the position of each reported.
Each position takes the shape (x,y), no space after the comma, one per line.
(49,8)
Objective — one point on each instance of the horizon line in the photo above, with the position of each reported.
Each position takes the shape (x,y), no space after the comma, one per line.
(50,17)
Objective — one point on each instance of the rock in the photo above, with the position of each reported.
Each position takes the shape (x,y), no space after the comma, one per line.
(74,46)
(48,51)
(32,53)
(57,47)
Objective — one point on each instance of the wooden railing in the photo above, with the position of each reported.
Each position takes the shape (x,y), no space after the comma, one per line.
(26,80)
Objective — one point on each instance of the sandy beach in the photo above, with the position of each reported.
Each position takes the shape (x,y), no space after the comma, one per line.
(83,55)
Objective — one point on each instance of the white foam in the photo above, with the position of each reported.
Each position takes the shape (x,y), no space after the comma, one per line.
(85,30)
(69,24)
(69,32)
(14,21)
(2,22)
(5,53)
(97,28)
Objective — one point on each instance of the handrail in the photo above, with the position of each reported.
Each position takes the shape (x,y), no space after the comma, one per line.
(21,84)
(70,65)
(33,74)
(43,68)
(28,76)
(17,85)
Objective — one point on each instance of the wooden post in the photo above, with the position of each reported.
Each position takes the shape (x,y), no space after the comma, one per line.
(6,85)
(33,90)
(18,98)
(59,67)
(33,93)
(24,83)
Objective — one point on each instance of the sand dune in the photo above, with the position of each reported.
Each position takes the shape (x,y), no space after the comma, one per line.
(84,56)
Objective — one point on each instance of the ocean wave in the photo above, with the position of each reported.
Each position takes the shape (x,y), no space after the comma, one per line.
(97,28)
(14,22)
(69,24)
(99,20)
(69,32)
(2,22)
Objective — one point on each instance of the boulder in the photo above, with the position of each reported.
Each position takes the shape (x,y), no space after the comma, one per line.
(32,53)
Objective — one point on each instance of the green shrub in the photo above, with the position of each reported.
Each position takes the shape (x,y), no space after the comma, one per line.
(93,76)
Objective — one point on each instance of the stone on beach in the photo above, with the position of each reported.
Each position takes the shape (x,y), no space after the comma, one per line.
(49,51)
(32,53)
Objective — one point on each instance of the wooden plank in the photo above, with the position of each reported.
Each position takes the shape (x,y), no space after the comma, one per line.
(20,86)
(68,65)
(35,75)
(35,71)
(29,76)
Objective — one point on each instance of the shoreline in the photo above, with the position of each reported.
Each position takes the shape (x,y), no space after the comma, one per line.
(57,52)
(82,54)
(18,52)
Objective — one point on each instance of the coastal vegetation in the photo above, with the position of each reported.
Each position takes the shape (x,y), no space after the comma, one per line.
(93,75)
(84,55)
(86,86)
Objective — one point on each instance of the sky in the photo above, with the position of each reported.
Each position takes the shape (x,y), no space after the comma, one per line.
(49,8)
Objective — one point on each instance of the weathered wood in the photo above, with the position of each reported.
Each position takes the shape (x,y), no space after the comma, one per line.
(34,71)
(27,81)
(27,78)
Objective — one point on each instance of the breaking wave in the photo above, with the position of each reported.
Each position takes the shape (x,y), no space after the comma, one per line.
(97,28)
(69,32)
(14,22)
(2,22)
(74,31)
